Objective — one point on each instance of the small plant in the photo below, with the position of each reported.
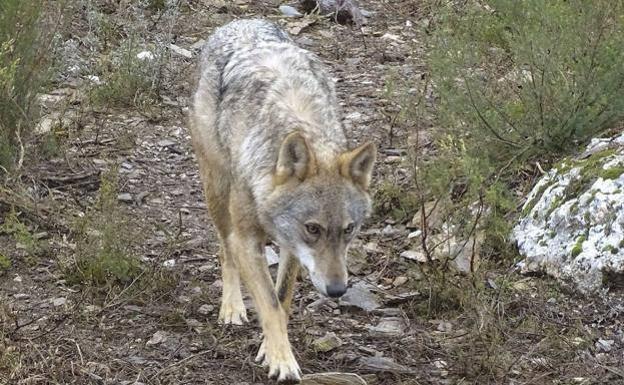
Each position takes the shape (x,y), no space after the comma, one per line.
(5,263)
(127,80)
(104,240)
(23,236)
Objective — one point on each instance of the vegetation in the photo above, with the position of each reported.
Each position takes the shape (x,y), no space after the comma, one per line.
(105,237)
(516,83)
(25,67)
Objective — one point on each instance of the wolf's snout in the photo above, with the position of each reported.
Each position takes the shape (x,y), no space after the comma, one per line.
(336,289)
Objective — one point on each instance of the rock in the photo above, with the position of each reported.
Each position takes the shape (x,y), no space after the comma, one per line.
(382,364)
(398,281)
(205,309)
(328,342)
(289,11)
(418,256)
(158,338)
(432,213)
(169,263)
(444,327)
(360,295)
(125,197)
(145,55)
(572,224)
(414,234)
(59,301)
(464,253)
(604,345)
(20,296)
(166,143)
(332,379)
(391,326)
(181,51)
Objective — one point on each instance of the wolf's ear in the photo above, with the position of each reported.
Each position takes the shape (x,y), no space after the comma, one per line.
(295,160)
(357,164)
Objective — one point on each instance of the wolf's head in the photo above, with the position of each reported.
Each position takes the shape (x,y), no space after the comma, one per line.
(316,208)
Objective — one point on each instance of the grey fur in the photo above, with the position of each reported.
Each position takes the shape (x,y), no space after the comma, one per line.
(248,68)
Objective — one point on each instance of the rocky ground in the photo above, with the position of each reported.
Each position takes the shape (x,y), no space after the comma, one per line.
(500,328)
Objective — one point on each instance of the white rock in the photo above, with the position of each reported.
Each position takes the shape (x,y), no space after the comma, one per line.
(94,79)
(59,301)
(181,51)
(573,222)
(604,345)
(391,326)
(145,55)
(289,11)
(205,309)
(418,256)
(169,263)
(158,338)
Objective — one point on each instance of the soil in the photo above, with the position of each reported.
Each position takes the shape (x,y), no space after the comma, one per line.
(165,331)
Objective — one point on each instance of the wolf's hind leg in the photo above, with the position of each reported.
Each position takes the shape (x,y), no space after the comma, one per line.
(232,307)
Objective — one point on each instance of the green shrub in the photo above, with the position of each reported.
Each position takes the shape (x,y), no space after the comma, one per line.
(128,80)
(516,82)
(104,240)
(25,56)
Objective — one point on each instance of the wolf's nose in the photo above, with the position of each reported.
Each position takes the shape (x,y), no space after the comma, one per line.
(336,289)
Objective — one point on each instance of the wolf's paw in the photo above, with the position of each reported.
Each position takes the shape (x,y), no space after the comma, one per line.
(233,313)
(281,361)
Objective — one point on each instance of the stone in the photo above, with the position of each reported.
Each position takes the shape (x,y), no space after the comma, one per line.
(391,326)
(572,224)
(382,364)
(604,345)
(414,255)
(145,55)
(181,51)
(125,197)
(205,309)
(59,301)
(361,296)
(328,342)
(157,338)
(332,379)
(289,11)
(400,280)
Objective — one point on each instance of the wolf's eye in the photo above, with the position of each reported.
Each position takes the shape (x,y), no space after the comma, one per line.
(349,229)
(313,228)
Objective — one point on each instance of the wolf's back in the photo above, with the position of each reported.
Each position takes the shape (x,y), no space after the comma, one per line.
(236,36)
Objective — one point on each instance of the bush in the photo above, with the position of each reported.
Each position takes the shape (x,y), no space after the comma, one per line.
(104,240)
(24,68)
(516,82)
(128,80)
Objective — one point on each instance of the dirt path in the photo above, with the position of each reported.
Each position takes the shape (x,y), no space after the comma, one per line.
(165,332)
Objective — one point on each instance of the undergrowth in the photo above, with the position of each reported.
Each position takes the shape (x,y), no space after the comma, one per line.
(26,66)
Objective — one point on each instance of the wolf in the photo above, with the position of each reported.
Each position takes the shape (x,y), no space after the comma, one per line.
(275,165)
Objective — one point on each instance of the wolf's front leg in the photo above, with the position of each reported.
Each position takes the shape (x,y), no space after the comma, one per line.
(275,351)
